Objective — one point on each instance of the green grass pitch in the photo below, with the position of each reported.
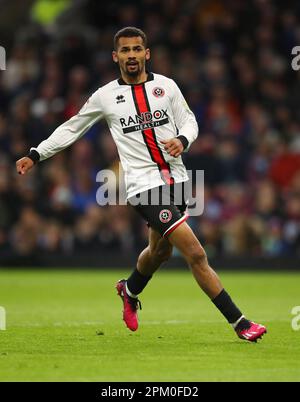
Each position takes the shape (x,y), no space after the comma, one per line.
(66,326)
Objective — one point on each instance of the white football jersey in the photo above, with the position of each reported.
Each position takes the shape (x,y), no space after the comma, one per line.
(139,117)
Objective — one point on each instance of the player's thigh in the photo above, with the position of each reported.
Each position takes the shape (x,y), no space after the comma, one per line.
(184,239)
(159,246)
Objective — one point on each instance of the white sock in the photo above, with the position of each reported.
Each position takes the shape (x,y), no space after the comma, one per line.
(129,293)
(234,325)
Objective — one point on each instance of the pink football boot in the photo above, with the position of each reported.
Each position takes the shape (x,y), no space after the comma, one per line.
(130,306)
(256,331)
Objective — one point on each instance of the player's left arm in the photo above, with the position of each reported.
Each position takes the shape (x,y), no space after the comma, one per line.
(186,123)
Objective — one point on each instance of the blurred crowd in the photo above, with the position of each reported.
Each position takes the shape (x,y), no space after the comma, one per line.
(232,60)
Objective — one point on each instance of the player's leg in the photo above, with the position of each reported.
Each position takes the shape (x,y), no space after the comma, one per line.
(157,252)
(189,246)
(151,258)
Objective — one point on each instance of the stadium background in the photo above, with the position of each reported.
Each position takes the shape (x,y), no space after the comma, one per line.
(232,60)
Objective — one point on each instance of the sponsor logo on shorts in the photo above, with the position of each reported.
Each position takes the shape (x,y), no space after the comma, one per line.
(158,92)
(165,216)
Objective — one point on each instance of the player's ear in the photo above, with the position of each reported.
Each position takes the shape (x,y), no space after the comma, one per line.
(148,54)
(115,57)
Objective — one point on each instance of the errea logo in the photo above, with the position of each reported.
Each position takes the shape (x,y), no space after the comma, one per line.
(120,99)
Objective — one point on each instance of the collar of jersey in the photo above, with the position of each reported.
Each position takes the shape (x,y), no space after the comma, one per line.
(149,78)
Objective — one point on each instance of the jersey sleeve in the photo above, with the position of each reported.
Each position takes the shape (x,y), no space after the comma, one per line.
(73,129)
(184,118)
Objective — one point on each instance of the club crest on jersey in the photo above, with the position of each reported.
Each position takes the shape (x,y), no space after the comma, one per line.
(165,216)
(158,92)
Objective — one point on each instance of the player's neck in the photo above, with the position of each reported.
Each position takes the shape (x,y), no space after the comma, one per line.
(135,80)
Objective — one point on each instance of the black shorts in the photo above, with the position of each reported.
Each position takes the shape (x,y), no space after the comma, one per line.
(164,207)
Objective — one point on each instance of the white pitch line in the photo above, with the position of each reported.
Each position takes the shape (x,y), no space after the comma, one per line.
(147,322)
(59,324)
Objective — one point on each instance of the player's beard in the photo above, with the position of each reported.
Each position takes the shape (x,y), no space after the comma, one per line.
(134,72)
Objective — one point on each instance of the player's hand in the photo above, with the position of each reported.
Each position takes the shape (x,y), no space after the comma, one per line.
(24,164)
(173,146)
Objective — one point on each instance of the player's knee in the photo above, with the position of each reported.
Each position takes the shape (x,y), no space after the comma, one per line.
(197,257)
(162,254)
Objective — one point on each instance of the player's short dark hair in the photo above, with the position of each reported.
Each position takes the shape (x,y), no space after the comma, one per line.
(129,32)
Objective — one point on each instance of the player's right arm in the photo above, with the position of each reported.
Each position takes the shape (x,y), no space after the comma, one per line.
(65,135)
